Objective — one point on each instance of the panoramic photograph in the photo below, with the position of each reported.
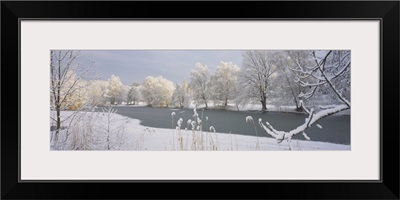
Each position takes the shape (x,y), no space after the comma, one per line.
(200,100)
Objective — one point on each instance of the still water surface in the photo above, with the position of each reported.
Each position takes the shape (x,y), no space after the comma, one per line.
(335,129)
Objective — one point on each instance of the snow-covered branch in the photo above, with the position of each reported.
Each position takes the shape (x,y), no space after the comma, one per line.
(329,70)
(309,121)
(328,79)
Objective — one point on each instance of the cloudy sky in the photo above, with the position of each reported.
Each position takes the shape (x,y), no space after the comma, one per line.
(135,65)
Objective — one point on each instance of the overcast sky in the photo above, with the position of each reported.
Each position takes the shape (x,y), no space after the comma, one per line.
(135,65)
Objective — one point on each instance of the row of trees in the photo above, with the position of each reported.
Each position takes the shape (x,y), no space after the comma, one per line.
(265,77)
(272,77)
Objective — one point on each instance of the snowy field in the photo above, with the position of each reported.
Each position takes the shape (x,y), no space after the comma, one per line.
(111,131)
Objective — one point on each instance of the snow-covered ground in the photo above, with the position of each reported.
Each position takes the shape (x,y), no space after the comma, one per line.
(90,133)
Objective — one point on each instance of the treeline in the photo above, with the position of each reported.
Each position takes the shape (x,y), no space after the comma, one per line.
(264,77)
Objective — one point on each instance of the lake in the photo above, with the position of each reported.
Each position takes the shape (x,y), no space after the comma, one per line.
(335,129)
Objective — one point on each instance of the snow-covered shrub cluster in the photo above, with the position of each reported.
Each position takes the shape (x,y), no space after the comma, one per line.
(104,130)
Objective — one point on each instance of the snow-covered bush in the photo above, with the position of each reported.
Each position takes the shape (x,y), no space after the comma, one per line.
(77,132)
(113,131)
(86,130)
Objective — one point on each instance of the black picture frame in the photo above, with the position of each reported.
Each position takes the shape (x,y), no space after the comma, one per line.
(385,11)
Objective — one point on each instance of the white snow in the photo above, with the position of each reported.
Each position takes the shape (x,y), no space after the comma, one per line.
(138,137)
(306,136)
(313,118)
(257,107)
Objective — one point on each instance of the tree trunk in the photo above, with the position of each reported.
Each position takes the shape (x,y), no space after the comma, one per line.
(298,109)
(263,100)
(226,101)
(264,103)
(264,106)
(58,125)
(108,142)
(205,101)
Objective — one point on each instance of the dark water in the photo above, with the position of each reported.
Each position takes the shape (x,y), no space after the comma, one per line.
(335,129)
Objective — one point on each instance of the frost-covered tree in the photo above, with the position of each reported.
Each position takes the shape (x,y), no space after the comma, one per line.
(289,89)
(342,84)
(114,89)
(185,88)
(123,98)
(67,87)
(134,94)
(97,92)
(157,91)
(74,100)
(200,84)
(325,71)
(256,76)
(320,87)
(224,81)
(179,97)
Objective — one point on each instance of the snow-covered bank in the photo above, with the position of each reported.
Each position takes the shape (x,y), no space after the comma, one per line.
(257,107)
(245,107)
(128,134)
